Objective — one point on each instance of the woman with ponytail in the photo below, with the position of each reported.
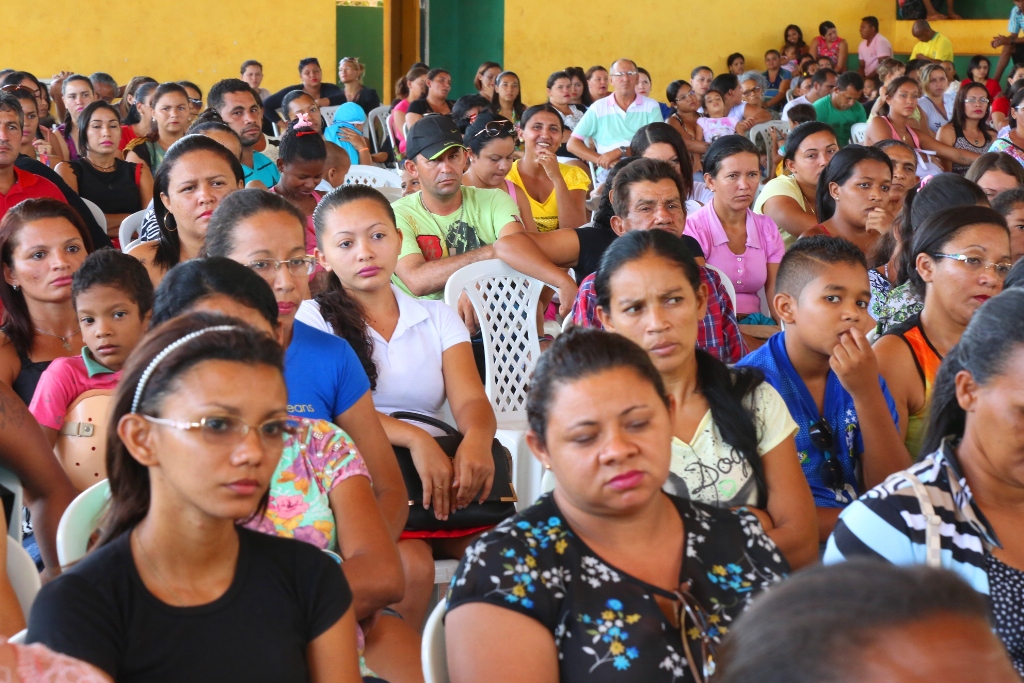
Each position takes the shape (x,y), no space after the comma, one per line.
(733,438)
(172,590)
(301,160)
(417,355)
(970,483)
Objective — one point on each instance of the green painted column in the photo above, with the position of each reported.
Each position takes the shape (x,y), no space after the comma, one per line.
(462,34)
(360,33)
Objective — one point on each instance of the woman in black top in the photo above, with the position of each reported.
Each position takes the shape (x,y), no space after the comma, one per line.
(175,590)
(350,75)
(119,188)
(325,94)
(434,101)
(607,574)
(42,244)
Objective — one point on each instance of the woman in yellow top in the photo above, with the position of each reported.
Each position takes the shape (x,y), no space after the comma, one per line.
(562,189)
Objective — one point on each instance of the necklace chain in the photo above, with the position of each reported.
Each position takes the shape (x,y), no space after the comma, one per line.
(102,168)
(462,207)
(64,340)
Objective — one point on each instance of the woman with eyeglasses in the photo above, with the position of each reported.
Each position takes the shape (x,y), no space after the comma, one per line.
(320,492)
(557,192)
(170,108)
(752,89)
(197,173)
(686,102)
(175,589)
(898,103)
(607,578)
(325,378)
(433,100)
(959,507)
(959,258)
(1013,142)
(491,148)
(968,129)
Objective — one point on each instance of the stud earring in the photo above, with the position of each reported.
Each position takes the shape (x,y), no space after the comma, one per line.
(15,287)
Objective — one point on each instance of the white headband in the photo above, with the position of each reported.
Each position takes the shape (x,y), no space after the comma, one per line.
(166,352)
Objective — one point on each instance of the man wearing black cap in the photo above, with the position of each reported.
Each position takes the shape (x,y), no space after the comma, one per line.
(446,226)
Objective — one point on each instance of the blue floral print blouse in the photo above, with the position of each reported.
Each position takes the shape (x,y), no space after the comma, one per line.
(606,624)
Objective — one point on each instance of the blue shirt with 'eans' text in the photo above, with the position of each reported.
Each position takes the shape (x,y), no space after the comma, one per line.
(323,374)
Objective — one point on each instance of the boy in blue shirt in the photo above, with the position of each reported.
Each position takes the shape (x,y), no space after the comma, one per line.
(825,370)
(1012,46)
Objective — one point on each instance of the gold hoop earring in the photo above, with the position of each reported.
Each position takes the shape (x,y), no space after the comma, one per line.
(170,223)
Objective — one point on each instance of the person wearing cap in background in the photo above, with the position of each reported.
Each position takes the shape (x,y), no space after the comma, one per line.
(446,226)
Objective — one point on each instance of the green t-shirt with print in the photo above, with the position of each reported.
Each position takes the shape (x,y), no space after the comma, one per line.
(484,213)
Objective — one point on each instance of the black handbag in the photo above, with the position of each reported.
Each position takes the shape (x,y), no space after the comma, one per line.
(499,505)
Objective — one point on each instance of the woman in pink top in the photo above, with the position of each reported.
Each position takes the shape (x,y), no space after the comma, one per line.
(409,89)
(744,245)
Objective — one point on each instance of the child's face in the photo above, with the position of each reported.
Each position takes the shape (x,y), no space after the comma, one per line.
(410,183)
(714,105)
(829,305)
(111,325)
(1015,219)
(302,177)
(871,88)
(790,52)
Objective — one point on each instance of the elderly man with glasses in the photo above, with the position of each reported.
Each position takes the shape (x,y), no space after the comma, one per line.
(612,121)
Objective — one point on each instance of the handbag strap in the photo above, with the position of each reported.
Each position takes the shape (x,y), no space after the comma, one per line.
(933,539)
(427,420)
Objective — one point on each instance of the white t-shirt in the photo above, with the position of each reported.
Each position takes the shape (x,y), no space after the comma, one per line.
(409,371)
(792,103)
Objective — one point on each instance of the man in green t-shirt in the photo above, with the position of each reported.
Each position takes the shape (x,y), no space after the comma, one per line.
(842,108)
(446,226)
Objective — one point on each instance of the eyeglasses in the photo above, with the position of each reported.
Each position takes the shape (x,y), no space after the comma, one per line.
(17,90)
(692,611)
(687,96)
(494,128)
(976,100)
(975,264)
(195,103)
(755,89)
(267,268)
(625,73)
(227,431)
(831,471)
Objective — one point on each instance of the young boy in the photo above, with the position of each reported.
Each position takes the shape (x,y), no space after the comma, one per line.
(1010,203)
(113,297)
(827,373)
(335,168)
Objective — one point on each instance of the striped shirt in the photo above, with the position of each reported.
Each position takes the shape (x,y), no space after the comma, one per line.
(887,522)
(611,127)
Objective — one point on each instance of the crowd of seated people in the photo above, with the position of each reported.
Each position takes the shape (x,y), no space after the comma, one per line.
(763,353)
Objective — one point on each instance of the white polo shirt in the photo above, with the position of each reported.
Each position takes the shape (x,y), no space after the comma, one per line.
(610,127)
(409,374)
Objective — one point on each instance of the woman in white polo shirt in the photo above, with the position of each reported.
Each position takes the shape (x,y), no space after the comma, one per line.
(417,355)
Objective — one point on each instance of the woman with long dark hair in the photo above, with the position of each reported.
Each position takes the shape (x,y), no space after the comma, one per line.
(968,129)
(484,81)
(491,144)
(733,437)
(77,92)
(958,508)
(170,109)
(433,100)
(411,87)
(42,244)
(507,100)
(191,451)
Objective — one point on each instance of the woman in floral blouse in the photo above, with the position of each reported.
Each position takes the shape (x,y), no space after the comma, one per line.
(607,578)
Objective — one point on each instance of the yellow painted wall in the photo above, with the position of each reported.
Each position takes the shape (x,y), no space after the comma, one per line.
(670,37)
(197,40)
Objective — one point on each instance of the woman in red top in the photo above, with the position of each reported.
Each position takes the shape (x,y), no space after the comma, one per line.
(829,44)
(977,72)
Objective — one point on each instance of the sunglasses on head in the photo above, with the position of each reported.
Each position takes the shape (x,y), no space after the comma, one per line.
(692,616)
(495,128)
(831,471)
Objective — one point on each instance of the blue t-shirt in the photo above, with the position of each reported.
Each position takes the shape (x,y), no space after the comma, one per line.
(839,412)
(263,170)
(323,374)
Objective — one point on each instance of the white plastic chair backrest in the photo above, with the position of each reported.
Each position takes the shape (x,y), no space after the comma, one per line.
(19,637)
(372,176)
(327,113)
(129,226)
(376,121)
(730,288)
(857,133)
(13,484)
(97,213)
(79,521)
(433,654)
(761,137)
(131,245)
(505,302)
(444,570)
(24,577)
(389,123)
(566,323)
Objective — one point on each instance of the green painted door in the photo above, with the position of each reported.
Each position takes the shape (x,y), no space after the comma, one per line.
(360,33)
(461,35)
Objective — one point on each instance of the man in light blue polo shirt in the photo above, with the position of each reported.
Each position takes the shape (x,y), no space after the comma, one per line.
(612,121)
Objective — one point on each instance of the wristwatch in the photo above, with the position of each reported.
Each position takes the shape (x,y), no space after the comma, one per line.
(624,151)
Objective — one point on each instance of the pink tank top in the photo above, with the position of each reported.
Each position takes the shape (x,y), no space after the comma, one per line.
(896,133)
(512,190)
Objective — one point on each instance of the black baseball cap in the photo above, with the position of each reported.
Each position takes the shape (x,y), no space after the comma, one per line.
(432,136)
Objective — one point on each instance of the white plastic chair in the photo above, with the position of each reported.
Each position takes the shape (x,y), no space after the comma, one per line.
(760,135)
(389,124)
(857,133)
(376,122)
(129,227)
(730,288)
(131,245)
(433,655)
(19,637)
(13,484)
(79,521)
(372,176)
(24,576)
(506,302)
(97,213)
(327,113)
